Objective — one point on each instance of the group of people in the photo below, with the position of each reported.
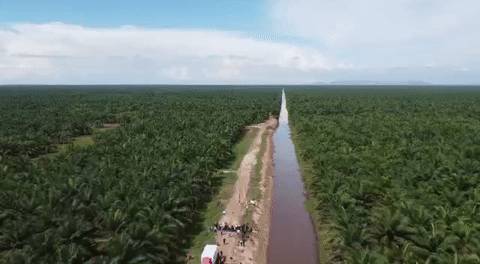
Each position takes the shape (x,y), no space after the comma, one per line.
(243,230)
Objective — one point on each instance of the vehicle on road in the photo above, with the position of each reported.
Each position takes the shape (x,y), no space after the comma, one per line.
(209,254)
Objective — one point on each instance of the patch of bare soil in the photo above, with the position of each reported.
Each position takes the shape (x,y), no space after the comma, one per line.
(111,125)
(255,249)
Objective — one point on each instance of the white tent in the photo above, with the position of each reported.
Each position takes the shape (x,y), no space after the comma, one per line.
(209,254)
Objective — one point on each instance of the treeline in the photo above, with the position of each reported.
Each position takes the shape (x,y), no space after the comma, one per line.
(395,174)
(136,194)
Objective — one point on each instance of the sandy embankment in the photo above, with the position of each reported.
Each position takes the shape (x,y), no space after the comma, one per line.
(255,250)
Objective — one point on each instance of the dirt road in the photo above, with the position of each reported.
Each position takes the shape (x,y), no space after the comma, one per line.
(255,249)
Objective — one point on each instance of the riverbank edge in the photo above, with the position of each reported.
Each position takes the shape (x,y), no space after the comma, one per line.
(262,213)
(324,232)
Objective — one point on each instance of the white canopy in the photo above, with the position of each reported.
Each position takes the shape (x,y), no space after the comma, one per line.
(210,251)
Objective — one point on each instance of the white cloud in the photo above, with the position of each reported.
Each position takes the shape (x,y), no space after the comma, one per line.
(397,40)
(63,53)
(387,34)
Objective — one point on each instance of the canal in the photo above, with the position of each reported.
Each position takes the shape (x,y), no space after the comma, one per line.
(292,235)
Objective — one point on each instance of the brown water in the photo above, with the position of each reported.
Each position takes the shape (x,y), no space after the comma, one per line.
(292,236)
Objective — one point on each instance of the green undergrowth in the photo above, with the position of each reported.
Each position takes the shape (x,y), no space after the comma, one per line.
(77,142)
(241,148)
(254,192)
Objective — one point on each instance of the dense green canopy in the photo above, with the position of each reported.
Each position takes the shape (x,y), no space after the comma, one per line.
(132,197)
(395,172)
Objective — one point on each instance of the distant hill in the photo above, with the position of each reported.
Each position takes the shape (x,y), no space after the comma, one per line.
(369,82)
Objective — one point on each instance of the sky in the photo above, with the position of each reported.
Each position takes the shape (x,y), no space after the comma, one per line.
(239,41)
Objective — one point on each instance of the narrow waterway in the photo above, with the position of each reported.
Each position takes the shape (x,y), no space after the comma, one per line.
(292,236)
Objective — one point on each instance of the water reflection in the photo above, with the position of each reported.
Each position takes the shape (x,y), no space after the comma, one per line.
(292,235)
